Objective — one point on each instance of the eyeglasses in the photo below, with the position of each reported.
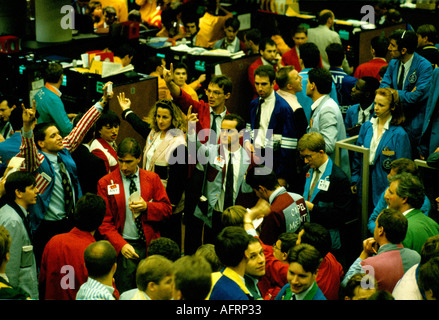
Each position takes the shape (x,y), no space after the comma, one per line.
(214,93)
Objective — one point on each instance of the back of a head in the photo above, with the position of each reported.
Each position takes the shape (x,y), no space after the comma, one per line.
(261,176)
(336,54)
(287,241)
(380,45)
(99,258)
(381,295)
(253,35)
(428,30)
(404,165)
(207,251)
(405,39)
(154,269)
(317,236)
(53,72)
(394,223)
(322,79)
(129,146)
(89,212)
(310,55)
(429,278)
(305,255)
(430,249)
(192,277)
(233,216)
(5,243)
(313,141)
(230,245)
(323,16)
(165,247)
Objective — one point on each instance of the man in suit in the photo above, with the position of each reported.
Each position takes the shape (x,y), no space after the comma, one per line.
(326,117)
(48,156)
(272,128)
(327,188)
(324,34)
(430,129)
(310,58)
(268,57)
(410,74)
(225,166)
(292,57)
(21,194)
(136,205)
(210,115)
(90,167)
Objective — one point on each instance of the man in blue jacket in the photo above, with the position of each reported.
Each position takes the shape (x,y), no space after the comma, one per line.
(410,74)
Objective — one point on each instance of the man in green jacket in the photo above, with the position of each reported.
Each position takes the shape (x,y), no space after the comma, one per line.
(406,194)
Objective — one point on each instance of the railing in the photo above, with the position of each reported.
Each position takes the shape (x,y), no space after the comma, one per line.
(349,144)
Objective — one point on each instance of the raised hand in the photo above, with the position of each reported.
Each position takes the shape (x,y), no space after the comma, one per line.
(28,116)
(168,75)
(124,103)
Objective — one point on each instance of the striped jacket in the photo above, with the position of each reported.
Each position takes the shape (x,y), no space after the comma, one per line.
(36,162)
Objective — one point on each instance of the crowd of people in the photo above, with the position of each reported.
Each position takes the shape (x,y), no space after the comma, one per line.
(226,206)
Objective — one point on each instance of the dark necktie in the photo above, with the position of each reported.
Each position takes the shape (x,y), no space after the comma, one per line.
(314,183)
(67,186)
(137,220)
(401,77)
(228,196)
(214,129)
(258,114)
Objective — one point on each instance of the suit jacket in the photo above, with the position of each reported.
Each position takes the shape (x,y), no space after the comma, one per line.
(327,120)
(283,140)
(291,58)
(430,129)
(158,210)
(351,118)
(215,176)
(394,144)
(90,167)
(413,101)
(332,207)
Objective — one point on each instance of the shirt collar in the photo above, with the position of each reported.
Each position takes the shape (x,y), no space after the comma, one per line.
(317,102)
(408,64)
(275,194)
(374,122)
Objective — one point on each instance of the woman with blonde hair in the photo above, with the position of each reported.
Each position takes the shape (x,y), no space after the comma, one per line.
(386,140)
(165,153)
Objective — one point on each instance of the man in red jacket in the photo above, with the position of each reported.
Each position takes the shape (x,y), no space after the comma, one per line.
(136,205)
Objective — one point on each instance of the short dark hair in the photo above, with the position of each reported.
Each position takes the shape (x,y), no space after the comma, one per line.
(89,212)
(429,275)
(99,258)
(336,54)
(394,223)
(405,39)
(287,241)
(283,75)
(305,255)
(430,249)
(18,180)
(235,117)
(268,180)
(180,65)
(193,277)
(428,30)
(410,187)
(318,236)
(253,35)
(129,146)
(322,79)
(232,22)
(371,84)
(230,245)
(53,72)
(40,131)
(301,29)
(266,71)
(264,42)
(380,44)
(404,165)
(223,82)
(310,55)
(166,247)
(108,117)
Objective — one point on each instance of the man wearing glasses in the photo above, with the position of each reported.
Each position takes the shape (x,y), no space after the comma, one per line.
(210,115)
(327,188)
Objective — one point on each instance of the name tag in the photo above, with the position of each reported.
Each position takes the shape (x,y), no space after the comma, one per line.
(113,189)
(323,185)
(219,161)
